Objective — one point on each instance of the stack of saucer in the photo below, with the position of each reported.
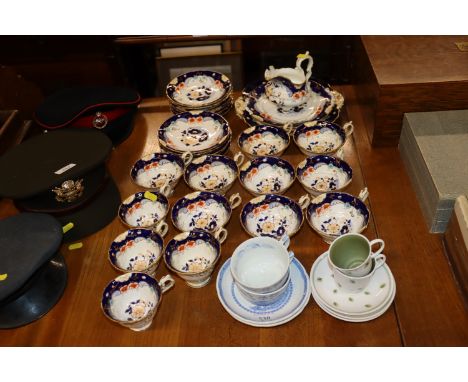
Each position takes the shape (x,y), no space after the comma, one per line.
(246,297)
(199,133)
(200,90)
(362,291)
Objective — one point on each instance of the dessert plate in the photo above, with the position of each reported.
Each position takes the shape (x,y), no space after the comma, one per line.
(138,211)
(199,89)
(193,132)
(215,173)
(323,173)
(363,304)
(314,138)
(273,215)
(279,312)
(204,210)
(263,141)
(267,175)
(335,213)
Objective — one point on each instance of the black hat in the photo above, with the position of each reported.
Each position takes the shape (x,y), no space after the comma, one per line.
(33,275)
(63,173)
(108,109)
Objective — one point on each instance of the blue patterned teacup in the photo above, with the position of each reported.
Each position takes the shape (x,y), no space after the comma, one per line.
(132,299)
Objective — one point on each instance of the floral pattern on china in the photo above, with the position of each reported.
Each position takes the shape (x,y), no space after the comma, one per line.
(199,88)
(334,214)
(265,175)
(273,215)
(289,96)
(193,131)
(139,211)
(322,137)
(263,140)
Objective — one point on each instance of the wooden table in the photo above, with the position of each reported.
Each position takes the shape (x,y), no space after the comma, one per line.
(427,310)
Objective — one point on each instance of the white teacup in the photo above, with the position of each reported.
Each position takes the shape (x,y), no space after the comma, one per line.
(261,264)
(353,284)
(264,298)
(352,254)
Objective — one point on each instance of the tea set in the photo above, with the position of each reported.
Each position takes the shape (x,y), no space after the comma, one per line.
(262,284)
(200,90)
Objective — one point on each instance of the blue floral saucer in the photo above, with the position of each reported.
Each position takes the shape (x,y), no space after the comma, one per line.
(289,306)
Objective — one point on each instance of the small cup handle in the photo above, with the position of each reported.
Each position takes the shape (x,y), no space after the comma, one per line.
(382,246)
(291,256)
(221,235)
(235,200)
(239,158)
(304,201)
(379,260)
(166,283)
(364,194)
(285,240)
(288,127)
(166,189)
(340,153)
(348,128)
(161,228)
(187,157)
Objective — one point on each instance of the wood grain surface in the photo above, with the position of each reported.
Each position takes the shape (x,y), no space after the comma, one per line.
(427,311)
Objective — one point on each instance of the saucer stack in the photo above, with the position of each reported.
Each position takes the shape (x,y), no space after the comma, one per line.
(199,133)
(200,90)
(363,306)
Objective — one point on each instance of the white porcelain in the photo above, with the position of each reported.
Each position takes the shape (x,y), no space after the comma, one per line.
(132,299)
(323,173)
(261,264)
(203,210)
(214,173)
(281,311)
(264,298)
(333,214)
(193,256)
(144,210)
(137,250)
(195,132)
(352,255)
(273,215)
(263,141)
(366,305)
(158,171)
(313,138)
(267,175)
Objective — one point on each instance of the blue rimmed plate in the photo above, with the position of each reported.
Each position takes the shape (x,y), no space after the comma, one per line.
(273,215)
(289,306)
(323,173)
(199,133)
(335,213)
(263,141)
(203,210)
(267,175)
(199,89)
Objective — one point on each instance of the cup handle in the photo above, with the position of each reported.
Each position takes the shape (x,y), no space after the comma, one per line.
(239,158)
(382,246)
(235,200)
(364,194)
(166,189)
(379,260)
(288,127)
(340,153)
(161,228)
(221,235)
(166,283)
(348,128)
(304,201)
(285,240)
(291,256)
(187,157)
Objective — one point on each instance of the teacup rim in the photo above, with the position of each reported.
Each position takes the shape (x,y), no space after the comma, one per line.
(147,226)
